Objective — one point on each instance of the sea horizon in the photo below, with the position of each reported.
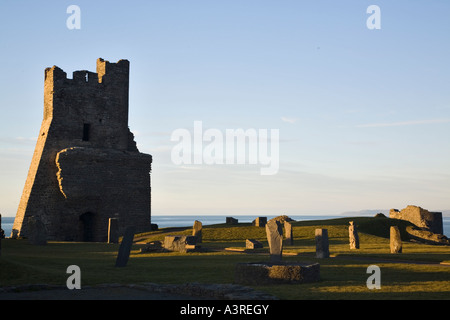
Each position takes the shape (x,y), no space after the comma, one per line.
(165,221)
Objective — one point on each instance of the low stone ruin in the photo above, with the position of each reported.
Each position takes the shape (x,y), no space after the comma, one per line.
(428,226)
(422,218)
(263,273)
(276,271)
(152,247)
(251,244)
(180,243)
(427,237)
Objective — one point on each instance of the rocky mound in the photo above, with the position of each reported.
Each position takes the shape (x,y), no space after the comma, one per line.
(427,237)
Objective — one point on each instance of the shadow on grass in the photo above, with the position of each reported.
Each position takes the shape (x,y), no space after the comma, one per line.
(417,258)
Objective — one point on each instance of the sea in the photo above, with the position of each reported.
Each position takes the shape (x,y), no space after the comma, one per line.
(186,221)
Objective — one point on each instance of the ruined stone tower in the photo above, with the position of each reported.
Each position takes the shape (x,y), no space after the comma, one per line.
(86,167)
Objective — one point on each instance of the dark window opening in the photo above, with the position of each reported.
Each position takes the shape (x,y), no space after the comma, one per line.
(86,129)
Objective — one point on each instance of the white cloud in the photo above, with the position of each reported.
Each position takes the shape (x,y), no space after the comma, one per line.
(289,120)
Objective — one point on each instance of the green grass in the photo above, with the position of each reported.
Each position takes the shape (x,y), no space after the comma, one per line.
(343,275)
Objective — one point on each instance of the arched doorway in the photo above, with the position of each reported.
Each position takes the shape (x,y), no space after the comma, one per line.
(87,226)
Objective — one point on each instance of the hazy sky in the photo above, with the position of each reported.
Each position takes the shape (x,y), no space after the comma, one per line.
(363,115)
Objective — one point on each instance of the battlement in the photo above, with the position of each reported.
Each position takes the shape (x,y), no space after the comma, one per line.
(91,109)
(84,76)
(106,69)
(107,72)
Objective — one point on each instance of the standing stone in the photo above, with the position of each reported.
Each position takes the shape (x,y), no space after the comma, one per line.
(274,232)
(197,230)
(395,240)
(37,234)
(322,246)
(353,236)
(113,230)
(288,233)
(260,222)
(231,220)
(125,247)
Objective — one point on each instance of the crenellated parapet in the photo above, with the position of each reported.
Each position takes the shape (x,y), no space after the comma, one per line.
(91,109)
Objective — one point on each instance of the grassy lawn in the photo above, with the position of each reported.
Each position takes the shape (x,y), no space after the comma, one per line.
(343,275)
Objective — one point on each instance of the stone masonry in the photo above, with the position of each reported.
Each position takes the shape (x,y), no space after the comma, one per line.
(431,221)
(86,167)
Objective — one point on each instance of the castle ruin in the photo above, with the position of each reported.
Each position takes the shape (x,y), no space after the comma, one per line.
(422,218)
(86,167)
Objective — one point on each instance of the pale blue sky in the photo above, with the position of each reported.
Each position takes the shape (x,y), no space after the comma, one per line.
(363,115)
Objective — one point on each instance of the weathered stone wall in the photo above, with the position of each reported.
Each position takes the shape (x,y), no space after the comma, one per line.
(86,167)
(422,218)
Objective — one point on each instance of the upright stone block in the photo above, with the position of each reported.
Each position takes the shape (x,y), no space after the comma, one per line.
(395,240)
(197,230)
(260,222)
(37,234)
(322,245)
(125,247)
(288,233)
(274,232)
(113,230)
(231,220)
(353,236)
